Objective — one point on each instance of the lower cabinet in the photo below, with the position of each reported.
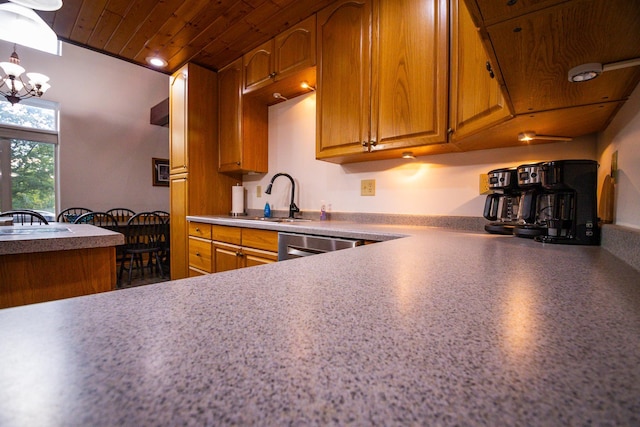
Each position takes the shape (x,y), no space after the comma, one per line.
(216,248)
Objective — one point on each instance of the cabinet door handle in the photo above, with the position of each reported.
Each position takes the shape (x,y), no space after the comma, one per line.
(197,253)
(373,143)
(197,229)
(490,70)
(239,253)
(238,163)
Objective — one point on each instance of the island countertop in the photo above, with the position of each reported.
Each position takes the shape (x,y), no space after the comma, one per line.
(437,328)
(18,239)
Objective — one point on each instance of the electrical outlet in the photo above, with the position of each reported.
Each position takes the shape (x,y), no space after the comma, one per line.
(368,187)
(484,184)
(259,191)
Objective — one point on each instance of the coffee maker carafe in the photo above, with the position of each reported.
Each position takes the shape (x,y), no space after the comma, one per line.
(529,223)
(568,204)
(501,206)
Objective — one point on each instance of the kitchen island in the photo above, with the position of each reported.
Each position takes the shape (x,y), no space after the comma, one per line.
(41,263)
(435,328)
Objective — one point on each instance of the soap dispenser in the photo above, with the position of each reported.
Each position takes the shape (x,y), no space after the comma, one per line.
(267,210)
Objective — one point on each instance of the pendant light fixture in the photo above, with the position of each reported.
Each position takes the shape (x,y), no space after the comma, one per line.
(14,88)
(21,25)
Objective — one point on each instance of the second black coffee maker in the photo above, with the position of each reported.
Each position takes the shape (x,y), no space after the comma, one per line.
(568,202)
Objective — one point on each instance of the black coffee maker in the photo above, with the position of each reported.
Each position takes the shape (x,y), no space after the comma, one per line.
(501,206)
(529,224)
(568,202)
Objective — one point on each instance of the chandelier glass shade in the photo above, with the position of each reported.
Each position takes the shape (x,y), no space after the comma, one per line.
(14,88)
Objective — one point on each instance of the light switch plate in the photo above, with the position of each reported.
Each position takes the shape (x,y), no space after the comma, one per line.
(259,191)
(368,187)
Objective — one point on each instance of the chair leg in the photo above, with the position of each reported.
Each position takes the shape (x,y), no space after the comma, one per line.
(158,265)
(131,267)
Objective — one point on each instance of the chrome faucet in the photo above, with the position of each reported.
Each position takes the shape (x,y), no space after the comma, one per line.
(292,207)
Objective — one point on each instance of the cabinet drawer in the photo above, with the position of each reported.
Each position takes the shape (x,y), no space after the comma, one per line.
(226,234)
(200,254)
(260,239)
(199,229)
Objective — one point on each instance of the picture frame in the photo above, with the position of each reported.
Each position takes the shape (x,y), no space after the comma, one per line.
(160,172)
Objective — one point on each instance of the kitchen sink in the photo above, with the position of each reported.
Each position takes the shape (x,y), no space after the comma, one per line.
(276,219)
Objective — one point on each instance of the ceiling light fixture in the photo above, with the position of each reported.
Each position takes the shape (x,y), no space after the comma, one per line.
(586,72)
(306,85)
(23,26)
(48,5)
(530,136)
(156,61)
(16,89)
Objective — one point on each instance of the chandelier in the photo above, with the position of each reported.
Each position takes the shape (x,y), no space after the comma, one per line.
(14,88)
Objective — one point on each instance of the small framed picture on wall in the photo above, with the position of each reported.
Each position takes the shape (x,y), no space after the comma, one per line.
(160,172)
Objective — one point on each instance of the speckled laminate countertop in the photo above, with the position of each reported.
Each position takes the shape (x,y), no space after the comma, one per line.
(438,328)
(16,239)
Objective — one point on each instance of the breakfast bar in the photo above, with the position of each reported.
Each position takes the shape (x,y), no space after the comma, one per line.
(41,263)
(437,327)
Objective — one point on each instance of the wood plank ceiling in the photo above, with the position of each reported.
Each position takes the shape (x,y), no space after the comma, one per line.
(211,33)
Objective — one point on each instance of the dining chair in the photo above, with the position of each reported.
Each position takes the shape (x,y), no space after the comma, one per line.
(121,214)
(70,214)
(144,235)
(99,219)
(25,216)
(164,214)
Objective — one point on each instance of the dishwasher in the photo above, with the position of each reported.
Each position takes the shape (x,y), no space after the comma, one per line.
(292,246)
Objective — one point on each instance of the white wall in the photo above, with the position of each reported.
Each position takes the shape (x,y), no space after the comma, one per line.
(623,136)
(444,184)
(106,141)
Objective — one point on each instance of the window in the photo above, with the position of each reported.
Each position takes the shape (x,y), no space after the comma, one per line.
(28,155)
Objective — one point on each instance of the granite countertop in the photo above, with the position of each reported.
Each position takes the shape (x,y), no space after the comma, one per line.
(437,328)
(16,239)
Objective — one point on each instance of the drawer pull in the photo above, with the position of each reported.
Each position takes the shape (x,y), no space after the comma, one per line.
(197,253)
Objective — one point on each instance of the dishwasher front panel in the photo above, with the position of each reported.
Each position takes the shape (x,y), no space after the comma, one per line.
(292,246)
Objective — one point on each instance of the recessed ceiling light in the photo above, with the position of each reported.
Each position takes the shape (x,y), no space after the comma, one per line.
(156,61)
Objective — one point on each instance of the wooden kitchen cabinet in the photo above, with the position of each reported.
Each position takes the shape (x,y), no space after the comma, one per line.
(393,95)
(235,247)
(476,100)
(343,100)
(289,52)
(243,125)
(258,67)
(196,188)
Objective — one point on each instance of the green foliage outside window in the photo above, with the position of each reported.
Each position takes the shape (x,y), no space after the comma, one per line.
(32,177)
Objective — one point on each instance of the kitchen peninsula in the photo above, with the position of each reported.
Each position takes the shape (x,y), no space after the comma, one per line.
(437,327)
(47,262)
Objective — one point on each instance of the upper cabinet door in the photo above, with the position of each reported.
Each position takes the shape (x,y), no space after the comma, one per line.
(230,116)
(410,74)
(476,100)
(343,75)
(295,49)
(178,122)
(259,67)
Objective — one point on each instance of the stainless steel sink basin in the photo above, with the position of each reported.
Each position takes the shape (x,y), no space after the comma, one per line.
(276,219)
(33,230)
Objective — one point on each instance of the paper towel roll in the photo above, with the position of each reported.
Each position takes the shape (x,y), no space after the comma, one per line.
(237,200)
